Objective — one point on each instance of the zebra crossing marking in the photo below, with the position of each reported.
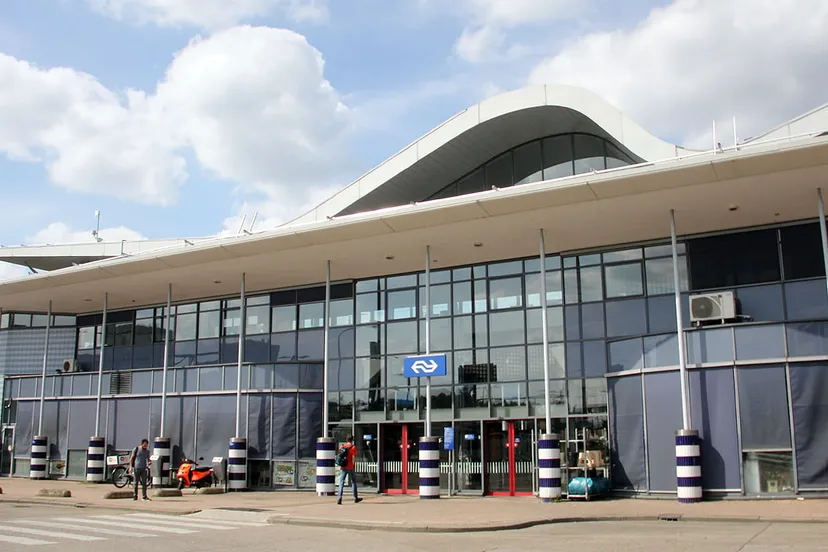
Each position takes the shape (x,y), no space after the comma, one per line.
(149,527)
(25,541)
(53,534)
(101,530)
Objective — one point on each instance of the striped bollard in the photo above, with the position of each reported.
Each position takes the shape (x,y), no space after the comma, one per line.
(549,467)
(688,466)
(237,465)
(429,468)
(37,466)
(325,468)
(95,459)
(161,449)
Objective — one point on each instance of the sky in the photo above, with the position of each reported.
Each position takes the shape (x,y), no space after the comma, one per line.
(176,118)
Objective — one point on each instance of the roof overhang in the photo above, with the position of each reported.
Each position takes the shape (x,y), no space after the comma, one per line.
(769,183)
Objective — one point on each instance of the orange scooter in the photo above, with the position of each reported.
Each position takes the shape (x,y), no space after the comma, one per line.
(191,475)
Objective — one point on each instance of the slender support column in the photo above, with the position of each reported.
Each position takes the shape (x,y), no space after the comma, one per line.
(326,351)
(428,337)
(40,442)
(167,329)
(549,445)
(823,234)
(237,450)
(100,368)
(240,360)
(688,451)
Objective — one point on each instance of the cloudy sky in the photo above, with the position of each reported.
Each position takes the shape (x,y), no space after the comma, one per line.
(177,117)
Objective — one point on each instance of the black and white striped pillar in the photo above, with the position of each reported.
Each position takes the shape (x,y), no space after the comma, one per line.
(325,467)
(40,448)
(429,468)
(161,448)
(549,467)
(95,459)
(688,466)
(237,464)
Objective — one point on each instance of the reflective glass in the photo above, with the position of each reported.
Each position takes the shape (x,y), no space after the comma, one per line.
(368,340)
(472,183)
(587,396)
(402,304)
(806,300)
(624,280)
(760,342)
(312,315)
(232,322)
(368,373)
(557,360)
(258,320)
(661,351)
(284,318)
(463,298)
(660,275)
(505,269)
(807,339)
(589,154)
(626,355)
(401,337)
(480,294)
(440,335)
(310,345)
(623,255)
(592,321)
(370,307)
(557,157)
(571,286)
(615,157)
(505,293)
(592,288)
(507,328)
(185,327)
(499,172)
(283,346)
(508,363)
(626,318)
(404,281)
(528,161)
(710,346)
(440,300)
(342,313)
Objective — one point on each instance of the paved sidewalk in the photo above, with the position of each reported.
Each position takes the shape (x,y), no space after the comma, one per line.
(407,513)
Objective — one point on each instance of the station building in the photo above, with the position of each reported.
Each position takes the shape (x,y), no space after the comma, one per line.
(477,191)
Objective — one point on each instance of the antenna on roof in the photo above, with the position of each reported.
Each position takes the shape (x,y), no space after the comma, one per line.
(241,226)
(715,143)
(97,230)
(252,223)
(735,139)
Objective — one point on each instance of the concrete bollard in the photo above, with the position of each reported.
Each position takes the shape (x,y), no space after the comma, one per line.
(237,464)
(549,467)
(325,467)
(161,448)
(688,466)
(429,468)
(95,469)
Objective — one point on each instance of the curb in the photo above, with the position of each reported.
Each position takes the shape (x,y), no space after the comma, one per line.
(400,527)
(65,504)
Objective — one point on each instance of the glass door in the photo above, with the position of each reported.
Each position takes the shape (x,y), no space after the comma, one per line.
(401,458)
(7,450)
(509,449)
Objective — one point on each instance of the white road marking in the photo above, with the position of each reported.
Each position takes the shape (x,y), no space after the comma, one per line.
(181,520)
(53,534)
(122,524)
(23,540)
(100,530)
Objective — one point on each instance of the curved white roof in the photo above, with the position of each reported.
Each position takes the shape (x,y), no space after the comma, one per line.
(481,132)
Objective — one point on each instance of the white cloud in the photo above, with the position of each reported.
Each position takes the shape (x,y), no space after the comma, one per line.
(207,14)
(488,35)
(59,233)
(693,61)
(251,103)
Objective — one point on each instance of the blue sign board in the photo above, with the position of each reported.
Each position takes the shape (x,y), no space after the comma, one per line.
(422,366)
(448,438)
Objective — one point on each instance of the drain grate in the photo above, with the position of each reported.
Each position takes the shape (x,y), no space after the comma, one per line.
(669,517)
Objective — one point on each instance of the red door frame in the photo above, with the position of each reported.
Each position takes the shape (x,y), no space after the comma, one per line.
(511,445)
(404,458)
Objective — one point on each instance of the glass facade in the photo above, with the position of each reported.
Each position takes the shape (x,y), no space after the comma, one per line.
(756,385)
(544,159)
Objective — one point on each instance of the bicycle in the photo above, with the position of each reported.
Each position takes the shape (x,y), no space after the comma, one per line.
(122,475)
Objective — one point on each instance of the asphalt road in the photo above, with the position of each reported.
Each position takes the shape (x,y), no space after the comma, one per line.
(24,528)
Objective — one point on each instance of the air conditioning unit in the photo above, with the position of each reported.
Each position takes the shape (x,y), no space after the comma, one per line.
(70,365)
(712,307)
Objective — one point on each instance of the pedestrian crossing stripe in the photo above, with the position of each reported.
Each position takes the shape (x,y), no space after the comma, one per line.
(46,531)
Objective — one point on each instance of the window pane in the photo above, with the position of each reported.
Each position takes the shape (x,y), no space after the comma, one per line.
(661,351)
(401,337)
(763,400)
(312,315)
(463,298)
(86,338)
(589,154)
(440,335)
(626,317)
(474,182)
(592,288)
(587,396)
(801,246)
(557,157)
(368,373)
(283,346)
(592,321)
(624,280)
(623,255)
(284,318)
(625,355)
(499,172)
(571,286)
(232,322)
(402,304)
(760,342)
(505,269)
(710,346)
(557,360)
(734,260)
(440,300)
(506,293)
(185,327)
(808,339)
(615,157)
(342,313)
(258,320)
(508,364)
(404,281)
(806,300)
(507,328)
(660,275)
(370,308)
(528,163)
(368,340)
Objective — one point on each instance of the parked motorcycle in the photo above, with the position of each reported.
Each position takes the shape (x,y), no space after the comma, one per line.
(190,474)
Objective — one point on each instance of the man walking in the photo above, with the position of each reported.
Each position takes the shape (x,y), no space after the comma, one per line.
(345,459)
(140,462)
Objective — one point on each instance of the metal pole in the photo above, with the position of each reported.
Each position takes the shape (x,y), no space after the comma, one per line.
(428,335)
(100,367)
(167,328)
(685,400)
(241,359)
(326,352)
(43,377)
(545,335)
(823,234)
